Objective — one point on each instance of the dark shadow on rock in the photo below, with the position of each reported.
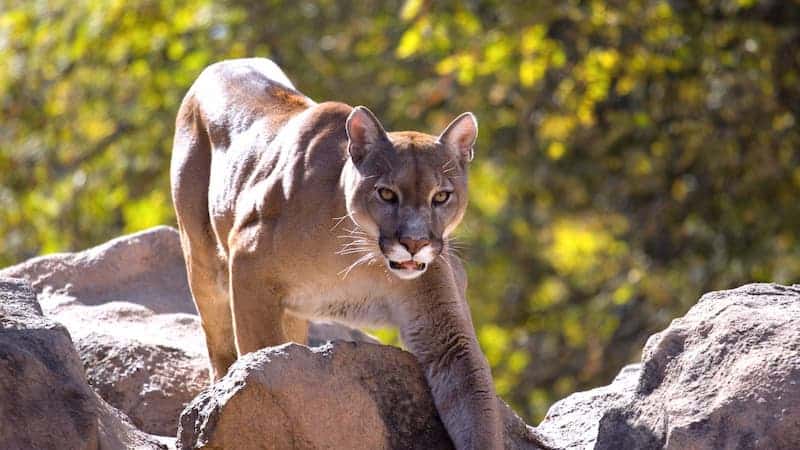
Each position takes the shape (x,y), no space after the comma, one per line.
(45,400)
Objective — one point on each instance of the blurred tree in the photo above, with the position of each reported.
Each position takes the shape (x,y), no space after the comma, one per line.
(632,155)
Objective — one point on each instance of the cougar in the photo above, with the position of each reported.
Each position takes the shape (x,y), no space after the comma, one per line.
(290,210)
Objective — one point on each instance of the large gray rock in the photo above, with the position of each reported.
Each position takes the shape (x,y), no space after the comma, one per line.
(45,401)
(146,364)
(341,396)
(724,376)
(572,423)
(144,268)
(128,307)
(151,383)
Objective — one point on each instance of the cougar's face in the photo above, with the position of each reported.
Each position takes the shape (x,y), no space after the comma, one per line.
(410,194)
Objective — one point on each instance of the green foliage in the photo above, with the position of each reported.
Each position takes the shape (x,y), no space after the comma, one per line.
(632,155)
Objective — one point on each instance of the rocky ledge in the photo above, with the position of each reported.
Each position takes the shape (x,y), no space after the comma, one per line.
(724,376)
(46,401)
(344,395)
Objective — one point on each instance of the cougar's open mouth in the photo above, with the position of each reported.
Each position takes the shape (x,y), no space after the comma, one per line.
(407,265)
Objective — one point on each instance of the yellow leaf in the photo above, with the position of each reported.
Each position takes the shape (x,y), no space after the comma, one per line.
(557,127)
(410,43)
(556,150)
(410,9)
(531,71)
(532,39)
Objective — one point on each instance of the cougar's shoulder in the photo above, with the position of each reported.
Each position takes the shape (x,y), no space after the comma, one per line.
(230,96)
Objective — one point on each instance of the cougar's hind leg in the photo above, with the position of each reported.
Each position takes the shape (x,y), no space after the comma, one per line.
(210,292)
(189,174)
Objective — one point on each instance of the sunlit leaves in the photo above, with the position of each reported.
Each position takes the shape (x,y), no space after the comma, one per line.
(92,91)
(538,54)
(410,9)
(152,209)
(423,35)
(582,249)
(496,343)
(411,41)
(556,150)
(488,190)
(550,291)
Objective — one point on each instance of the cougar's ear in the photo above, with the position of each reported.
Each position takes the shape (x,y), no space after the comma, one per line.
(363,131)
(460,135)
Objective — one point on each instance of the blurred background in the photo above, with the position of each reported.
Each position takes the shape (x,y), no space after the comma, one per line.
(632,154)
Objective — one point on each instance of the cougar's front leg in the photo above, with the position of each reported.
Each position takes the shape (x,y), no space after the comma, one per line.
(437,328)
(295,328)
(255,304)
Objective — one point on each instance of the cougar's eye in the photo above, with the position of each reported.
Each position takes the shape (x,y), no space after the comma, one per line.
(387,195)
(440,197)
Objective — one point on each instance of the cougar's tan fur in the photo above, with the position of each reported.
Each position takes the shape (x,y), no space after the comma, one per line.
(283,218)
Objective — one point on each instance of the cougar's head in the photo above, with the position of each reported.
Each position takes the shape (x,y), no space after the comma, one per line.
(408,191)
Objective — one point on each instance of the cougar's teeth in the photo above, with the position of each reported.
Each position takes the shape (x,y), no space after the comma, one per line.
(407,265)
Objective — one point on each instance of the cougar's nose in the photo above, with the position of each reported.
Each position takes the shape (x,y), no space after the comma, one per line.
(414,245)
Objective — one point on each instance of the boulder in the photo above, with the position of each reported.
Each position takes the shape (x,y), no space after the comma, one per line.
(724,376)
(144,268)
(572,422)
(128,307)
(151,383)
(146,364)
(341,395)
(45,401)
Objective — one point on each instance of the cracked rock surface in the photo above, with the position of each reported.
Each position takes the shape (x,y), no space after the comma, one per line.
(343,395)
(724,376)
(45,401)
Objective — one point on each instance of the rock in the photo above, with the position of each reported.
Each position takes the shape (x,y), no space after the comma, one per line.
(724,376)
(151,383)
(144,268)
(128,307)
(572,422)
(146,364)
(342,395)
(46,401)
